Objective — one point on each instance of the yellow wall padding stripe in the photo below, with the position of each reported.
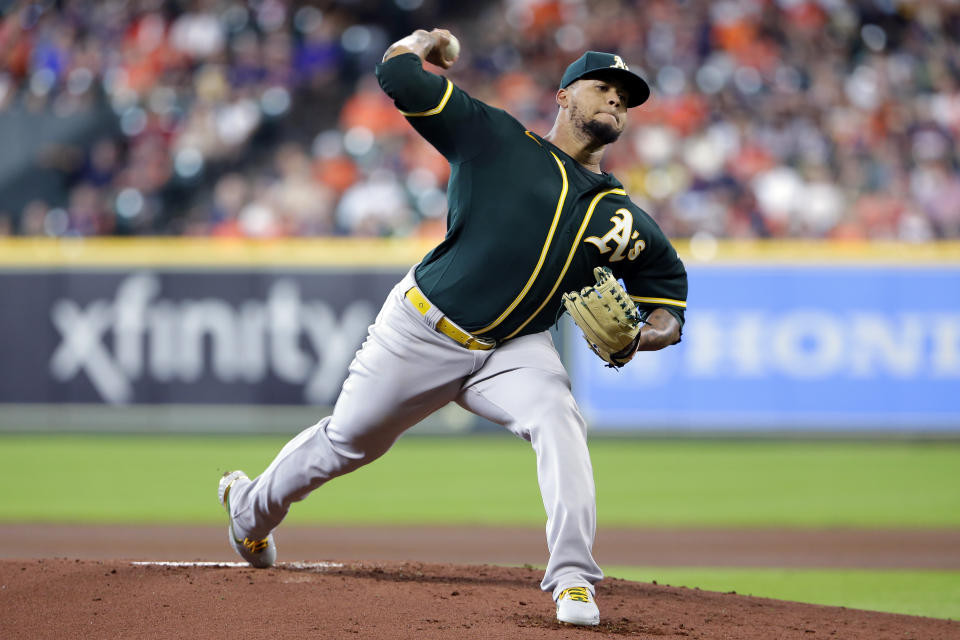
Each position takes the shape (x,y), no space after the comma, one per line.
(667,301)
(573,249)
(543,252)
(437,109)
(187,252)
(212,253)
(820,253)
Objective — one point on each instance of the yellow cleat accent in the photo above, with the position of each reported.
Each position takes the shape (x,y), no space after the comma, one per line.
(575,605)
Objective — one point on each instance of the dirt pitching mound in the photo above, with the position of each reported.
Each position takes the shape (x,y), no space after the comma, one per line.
(71,598)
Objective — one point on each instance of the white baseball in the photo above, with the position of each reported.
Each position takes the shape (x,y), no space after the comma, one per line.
(452,50)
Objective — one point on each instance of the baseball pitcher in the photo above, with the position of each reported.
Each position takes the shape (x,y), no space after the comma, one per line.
(535,227)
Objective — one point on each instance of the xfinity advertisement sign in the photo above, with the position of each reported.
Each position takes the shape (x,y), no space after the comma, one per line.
(794,347)
(210,337)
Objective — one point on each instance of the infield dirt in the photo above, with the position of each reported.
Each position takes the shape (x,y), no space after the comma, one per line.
(99,592)
(63,598)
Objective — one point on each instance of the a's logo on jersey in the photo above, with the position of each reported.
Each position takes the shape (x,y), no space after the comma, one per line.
(619,64)
(622,234)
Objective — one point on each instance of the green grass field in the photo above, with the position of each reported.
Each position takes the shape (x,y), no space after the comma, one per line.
(920,593)
(491,480)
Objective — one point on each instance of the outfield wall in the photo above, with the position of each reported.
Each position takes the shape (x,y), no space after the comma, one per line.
(780,336)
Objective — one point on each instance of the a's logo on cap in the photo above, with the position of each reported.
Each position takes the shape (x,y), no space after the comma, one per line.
(618,64)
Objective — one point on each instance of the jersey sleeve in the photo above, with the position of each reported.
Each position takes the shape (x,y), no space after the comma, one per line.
(457,125)
(658,278)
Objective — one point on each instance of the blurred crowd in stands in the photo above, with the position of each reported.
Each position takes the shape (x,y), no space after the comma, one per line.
(769,118)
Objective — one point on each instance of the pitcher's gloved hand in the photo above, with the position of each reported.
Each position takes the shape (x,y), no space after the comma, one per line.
(608,318)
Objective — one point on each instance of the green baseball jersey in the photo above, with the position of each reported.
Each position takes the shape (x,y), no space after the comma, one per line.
(526,222)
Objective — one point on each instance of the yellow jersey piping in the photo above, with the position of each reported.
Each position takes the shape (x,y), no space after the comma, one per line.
(543,252)
(573,249)
(531,136)
(437,109)
(667,301)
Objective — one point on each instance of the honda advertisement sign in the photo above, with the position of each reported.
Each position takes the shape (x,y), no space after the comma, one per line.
(795,347)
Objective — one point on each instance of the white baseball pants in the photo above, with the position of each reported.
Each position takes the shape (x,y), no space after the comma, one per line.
(405,371)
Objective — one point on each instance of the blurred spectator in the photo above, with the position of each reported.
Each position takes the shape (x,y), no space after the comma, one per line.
(34,219)
(229,197)
(375,206)
(303,205)
(784,118)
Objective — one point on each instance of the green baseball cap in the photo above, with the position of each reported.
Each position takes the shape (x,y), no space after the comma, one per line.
(594,62)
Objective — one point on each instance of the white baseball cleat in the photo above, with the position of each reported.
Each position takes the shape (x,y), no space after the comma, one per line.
(576,606)
(259,553)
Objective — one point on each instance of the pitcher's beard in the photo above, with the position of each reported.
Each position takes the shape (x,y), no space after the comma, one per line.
(601,132)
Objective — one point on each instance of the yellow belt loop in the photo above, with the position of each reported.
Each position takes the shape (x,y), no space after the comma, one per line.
(420,302)
(446,327)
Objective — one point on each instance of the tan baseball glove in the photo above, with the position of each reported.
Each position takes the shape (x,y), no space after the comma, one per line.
(607,316)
